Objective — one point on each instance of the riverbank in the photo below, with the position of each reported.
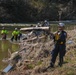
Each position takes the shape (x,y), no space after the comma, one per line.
(36,57)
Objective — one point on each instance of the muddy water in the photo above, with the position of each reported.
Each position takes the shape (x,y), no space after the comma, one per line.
(4,46)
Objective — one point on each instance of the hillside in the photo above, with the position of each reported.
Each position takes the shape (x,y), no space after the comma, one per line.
(22,11)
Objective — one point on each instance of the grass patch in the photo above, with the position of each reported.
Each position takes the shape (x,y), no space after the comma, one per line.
(30,66)
(39,63)
(70,73)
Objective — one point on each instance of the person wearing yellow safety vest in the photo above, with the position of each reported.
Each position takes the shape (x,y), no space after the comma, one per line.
(15,34)
(4,33)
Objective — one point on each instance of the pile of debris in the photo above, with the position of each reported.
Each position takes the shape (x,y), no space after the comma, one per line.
(34,56)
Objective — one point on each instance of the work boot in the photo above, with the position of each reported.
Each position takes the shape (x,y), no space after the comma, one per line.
(51,65)
(60,64)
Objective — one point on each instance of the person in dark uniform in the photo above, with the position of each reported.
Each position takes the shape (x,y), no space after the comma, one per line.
(37,32)
(59,45)
(46,23)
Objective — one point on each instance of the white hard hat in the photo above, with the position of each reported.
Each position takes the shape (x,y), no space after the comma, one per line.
(3,28)
(38,23)
(15,28)
(45,21)
(61,24)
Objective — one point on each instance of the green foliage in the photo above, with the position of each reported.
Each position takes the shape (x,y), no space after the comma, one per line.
(39,63)
(35,10)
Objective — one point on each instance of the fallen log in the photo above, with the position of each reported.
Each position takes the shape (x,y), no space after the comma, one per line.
(32,39)
(35,28)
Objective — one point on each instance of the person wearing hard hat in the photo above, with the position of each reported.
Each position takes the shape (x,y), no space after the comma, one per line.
(46,23)
(15,34)
(59,45)
(46,32)
(38,25)
(4,33)
(37,32)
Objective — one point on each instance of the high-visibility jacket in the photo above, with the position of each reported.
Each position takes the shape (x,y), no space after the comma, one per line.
(15,33)
(4,32)
(18,32)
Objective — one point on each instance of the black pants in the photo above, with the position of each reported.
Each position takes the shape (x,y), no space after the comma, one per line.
(14,38)
(58,49)
(19,36)
(4,36)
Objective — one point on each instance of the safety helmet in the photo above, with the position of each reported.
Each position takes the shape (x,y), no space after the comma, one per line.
(61,24)
(3,28)
(45,21)
(38,23)
(15,28)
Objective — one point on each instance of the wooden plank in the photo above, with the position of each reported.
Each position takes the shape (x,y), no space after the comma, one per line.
(35,28)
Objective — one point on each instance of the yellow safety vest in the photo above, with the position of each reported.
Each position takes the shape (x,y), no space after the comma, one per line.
(4,32)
